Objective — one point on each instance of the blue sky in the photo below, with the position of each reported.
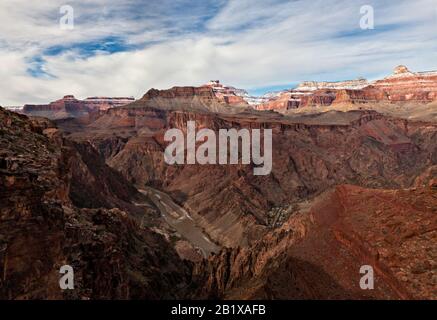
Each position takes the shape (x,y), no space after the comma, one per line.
(125,47)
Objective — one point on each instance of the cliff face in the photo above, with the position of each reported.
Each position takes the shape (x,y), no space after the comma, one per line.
(41,229)
(405,85)
(230,95)
(400,87)
(211,97)
(70,107)
(319,251)
(200,99)
(205,93)
(341,85)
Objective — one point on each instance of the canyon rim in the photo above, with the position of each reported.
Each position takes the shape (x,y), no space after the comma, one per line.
(306,169)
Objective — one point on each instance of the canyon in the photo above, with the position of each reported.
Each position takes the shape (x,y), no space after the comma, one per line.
(353,183)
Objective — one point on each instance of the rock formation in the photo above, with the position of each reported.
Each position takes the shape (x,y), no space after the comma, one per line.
(400,87)
(230,95)
(114,257)
(70,107)
(319,251)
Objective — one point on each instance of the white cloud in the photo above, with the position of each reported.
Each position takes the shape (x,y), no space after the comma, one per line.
(246,43)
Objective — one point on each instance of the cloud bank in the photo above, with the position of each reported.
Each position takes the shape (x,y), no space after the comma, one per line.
(125,47)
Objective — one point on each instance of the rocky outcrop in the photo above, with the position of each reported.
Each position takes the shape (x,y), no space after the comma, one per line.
(68,104)
(319,251)
(94,184)
(283,102)
(105,103)
(227,94)
(198,99)
(113,255)
(205,93)
(405,85)
(318,98)
(70,107)
(400,87)
(341,85)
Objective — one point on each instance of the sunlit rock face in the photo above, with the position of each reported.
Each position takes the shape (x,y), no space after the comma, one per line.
(228,94)
(402,86)
(70,107)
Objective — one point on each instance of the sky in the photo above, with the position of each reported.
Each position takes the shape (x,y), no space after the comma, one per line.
(126,47)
